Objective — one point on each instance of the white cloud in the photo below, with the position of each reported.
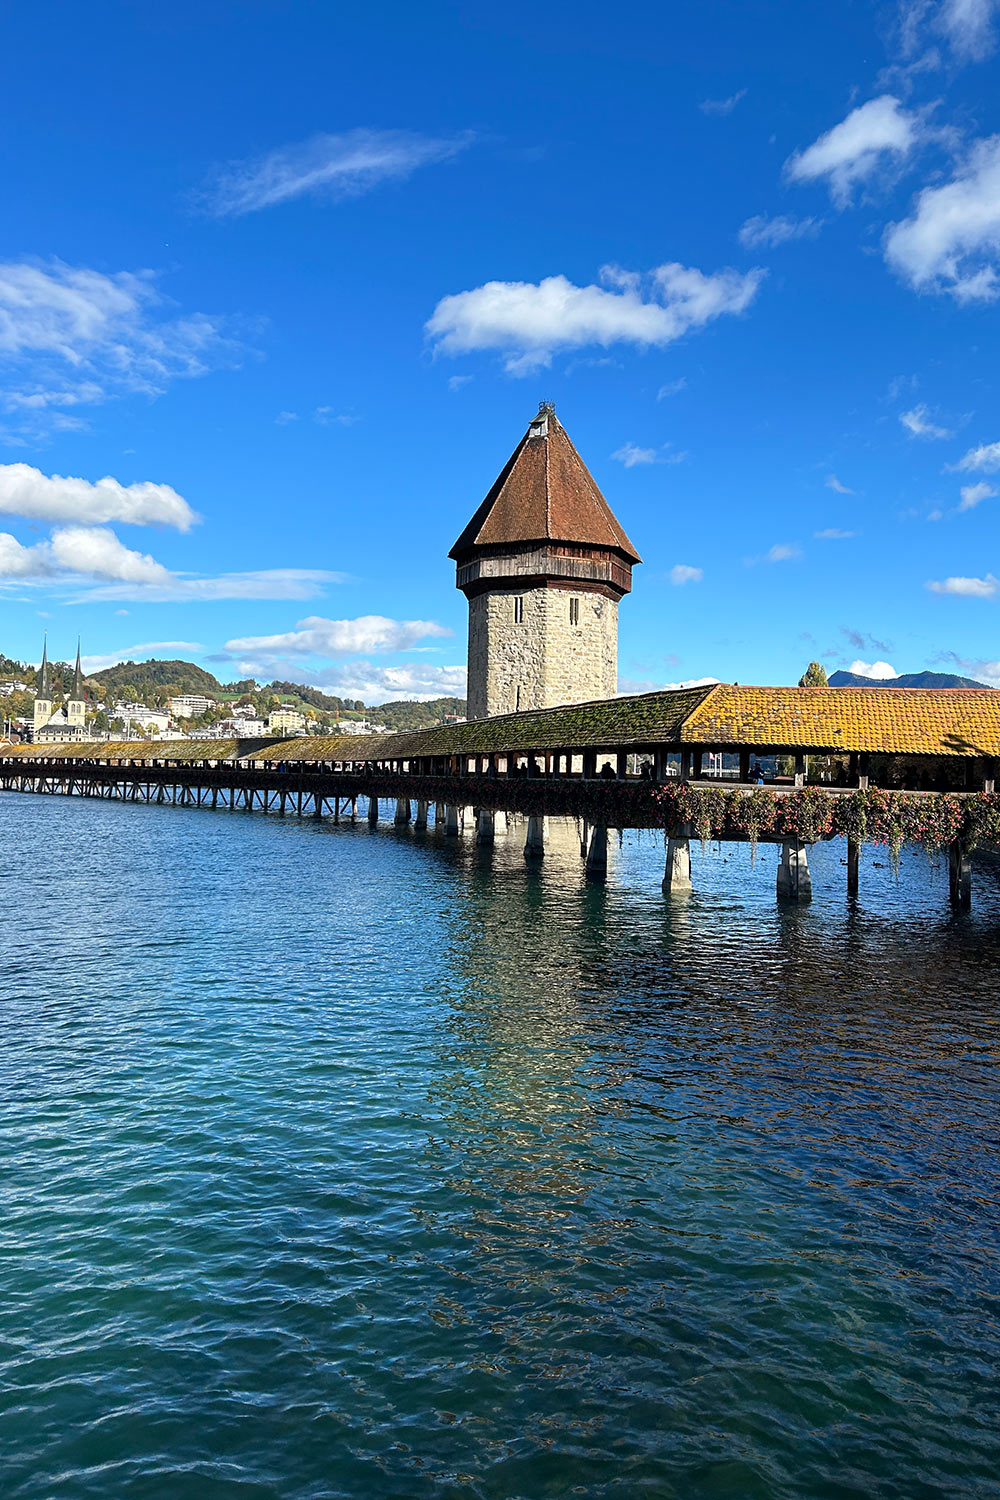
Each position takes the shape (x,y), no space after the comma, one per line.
(879,670)
(784,552)
(764,232)
(855,149)
(967,588)
(326,166)
(918,424)
(456,382)
(966,24)
(985,459)
(721,106)
(528,321)
(284,417)
(361,679)
(974,494)
(951,242)
(682,573)
(71,337)
(28,492)
(833,483)
(141,652)
(833,534)
(316,636)
(88,550)
(630,455)
(265,583)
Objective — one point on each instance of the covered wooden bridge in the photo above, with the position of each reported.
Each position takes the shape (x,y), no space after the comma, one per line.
(896,765)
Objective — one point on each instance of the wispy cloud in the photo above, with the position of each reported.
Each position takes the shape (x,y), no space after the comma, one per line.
(834,534)
(527,322)
(325,166)
(72,338)
(764,233)
(833,483)
(852,152)
(967,26)
(28,492)
(780,552)
(918,424)
(284,417)
(975,494)
(984,460)
(967,588)
(329,416)
(722,106)
(951,242)
(672,388)
(682,573)
(265,583)
(630,454)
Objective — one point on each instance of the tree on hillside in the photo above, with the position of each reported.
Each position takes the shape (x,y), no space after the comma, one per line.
(813,676)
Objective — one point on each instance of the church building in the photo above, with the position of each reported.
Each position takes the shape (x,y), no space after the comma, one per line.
(68,722)
(543,564)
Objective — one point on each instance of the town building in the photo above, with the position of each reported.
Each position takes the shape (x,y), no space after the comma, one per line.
(190,705)
(68,722)
(286,719)
(138,716)
(543,564)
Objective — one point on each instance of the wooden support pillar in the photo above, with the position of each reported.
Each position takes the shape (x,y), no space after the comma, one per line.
(317,805)
(697,756)
(685,765)
(402,811)
(336,809)
(853,867)
(534,843)
(485,830)
(659,764)
(597,854)
(584,836)
(744,765)
(677,875)
(621,764)
(800,768)
(960,875)
(590,764)
(372,811)
(794,880)
(420,821)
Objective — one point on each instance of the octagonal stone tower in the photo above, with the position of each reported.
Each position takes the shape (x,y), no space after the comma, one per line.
(543,564)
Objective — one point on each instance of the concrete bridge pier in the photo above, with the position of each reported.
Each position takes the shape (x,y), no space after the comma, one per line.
(485,827)
(677,876)
(794,880)
(451,825)
(438,814)
(372,811)
(960,875)
(534,843)
(597,854)
(584,836)
(420,821)
(402,811)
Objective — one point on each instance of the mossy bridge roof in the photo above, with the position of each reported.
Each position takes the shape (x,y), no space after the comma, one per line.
(888,721)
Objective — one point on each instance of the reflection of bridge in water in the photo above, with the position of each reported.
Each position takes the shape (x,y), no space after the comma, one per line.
(892,765)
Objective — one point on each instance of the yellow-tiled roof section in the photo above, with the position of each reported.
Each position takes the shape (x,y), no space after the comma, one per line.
(884,721)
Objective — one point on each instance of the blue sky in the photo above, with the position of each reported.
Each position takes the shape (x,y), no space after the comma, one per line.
(281,285)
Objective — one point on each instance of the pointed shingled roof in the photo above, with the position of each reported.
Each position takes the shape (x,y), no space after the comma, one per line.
(77,694)
(44,684)
(545,493)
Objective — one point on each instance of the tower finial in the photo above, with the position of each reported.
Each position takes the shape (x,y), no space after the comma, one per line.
(78,676)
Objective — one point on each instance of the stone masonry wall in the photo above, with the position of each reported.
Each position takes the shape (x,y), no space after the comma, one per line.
(543,660)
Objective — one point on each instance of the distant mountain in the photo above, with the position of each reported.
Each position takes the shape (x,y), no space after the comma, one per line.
(908,680)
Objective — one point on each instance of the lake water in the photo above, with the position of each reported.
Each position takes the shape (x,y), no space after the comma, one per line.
(352,1164)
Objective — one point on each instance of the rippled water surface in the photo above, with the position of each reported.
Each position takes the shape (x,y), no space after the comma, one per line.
(351,1164)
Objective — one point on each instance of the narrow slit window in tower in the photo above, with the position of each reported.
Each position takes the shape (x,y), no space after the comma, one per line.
(518,609)
(574,611)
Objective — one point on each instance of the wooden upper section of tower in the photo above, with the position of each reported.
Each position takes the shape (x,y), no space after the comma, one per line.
(545,522)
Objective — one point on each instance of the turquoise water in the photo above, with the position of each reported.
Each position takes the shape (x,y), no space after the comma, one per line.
(351,1164)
